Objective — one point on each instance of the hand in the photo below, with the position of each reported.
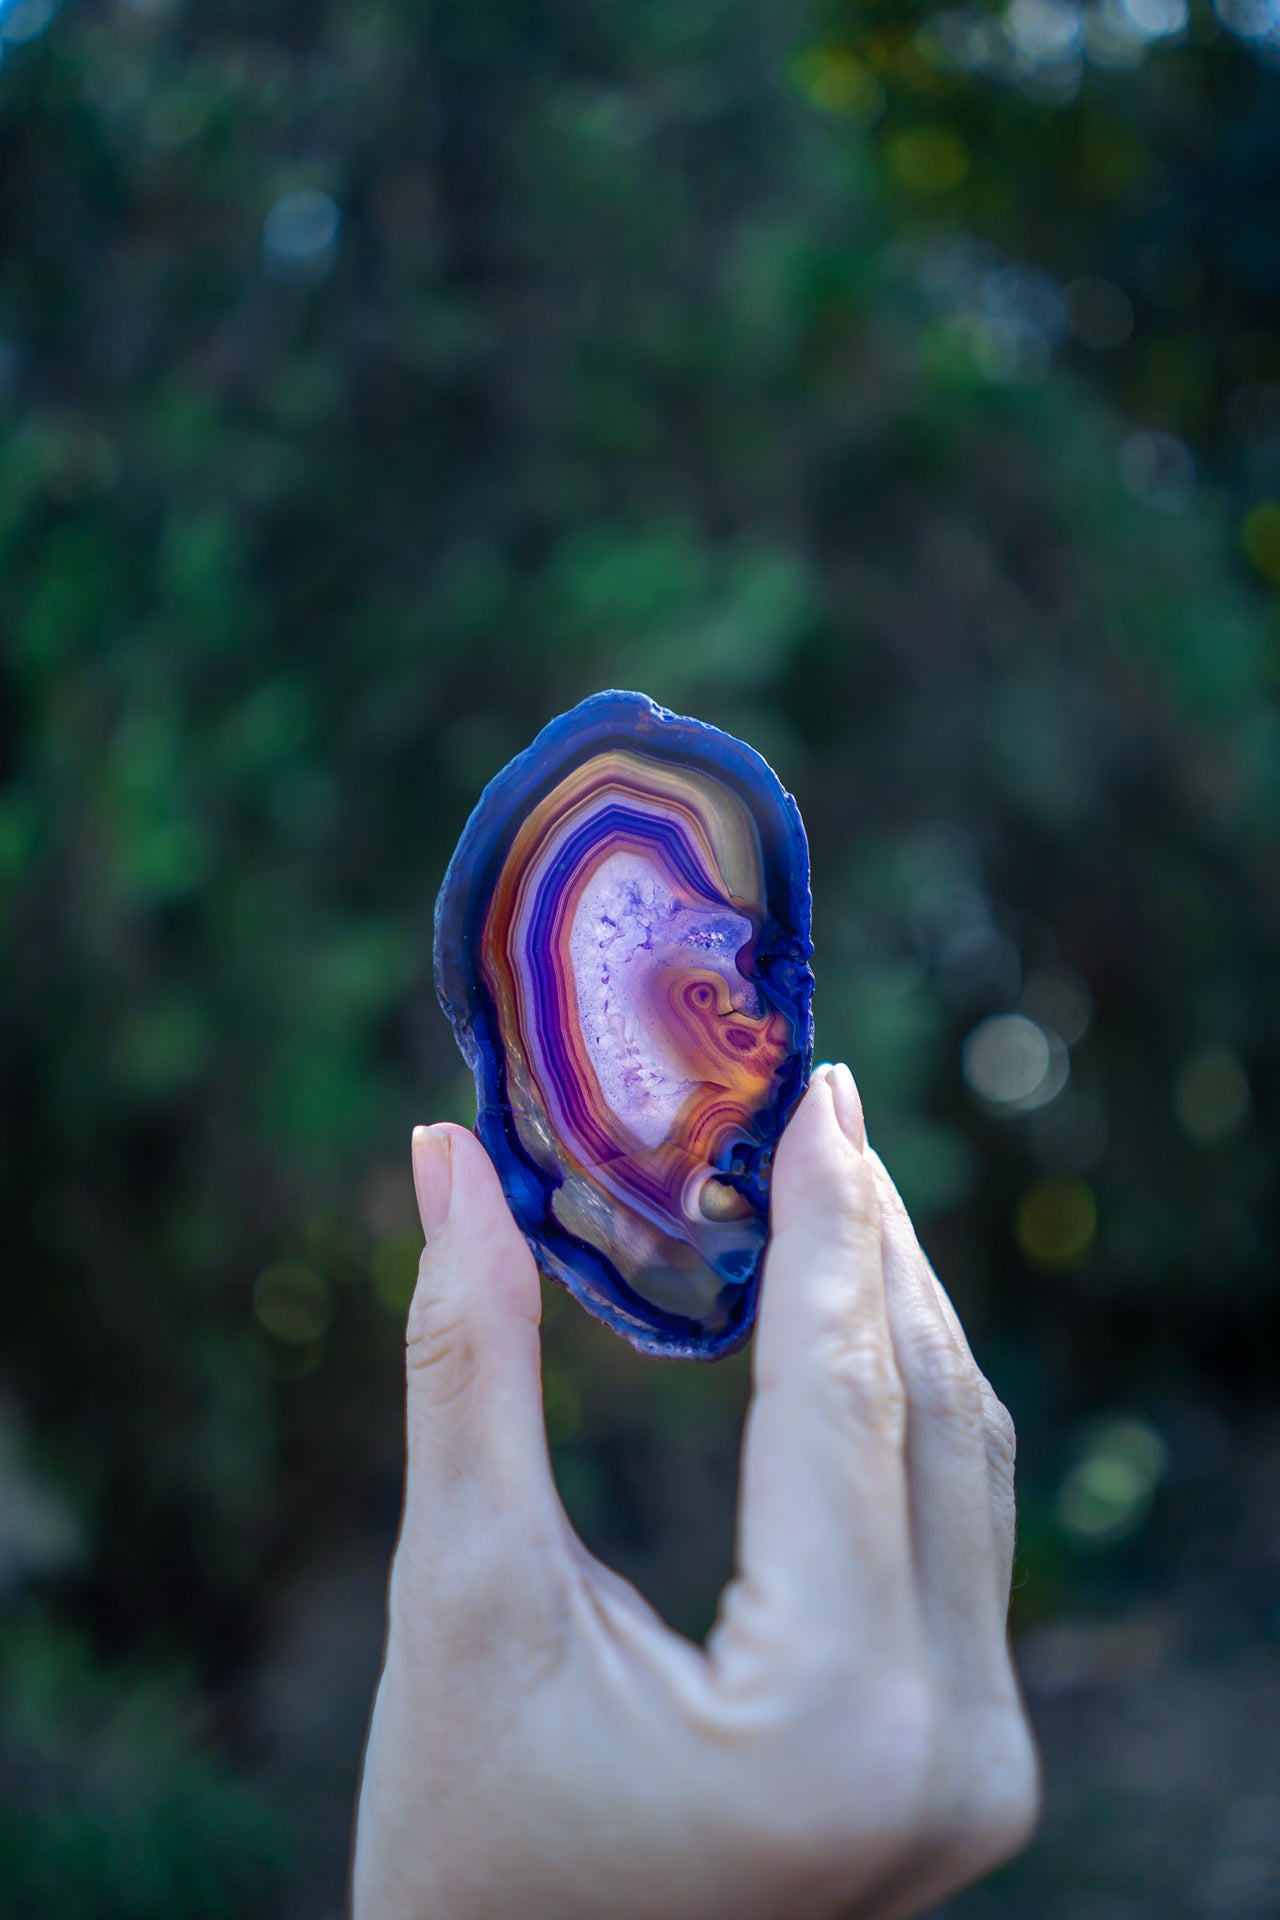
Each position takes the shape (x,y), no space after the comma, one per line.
(851,1740)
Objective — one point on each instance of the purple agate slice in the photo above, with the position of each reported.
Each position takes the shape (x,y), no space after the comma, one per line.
(622,947)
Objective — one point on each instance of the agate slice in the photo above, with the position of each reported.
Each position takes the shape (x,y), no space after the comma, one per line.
(622,947)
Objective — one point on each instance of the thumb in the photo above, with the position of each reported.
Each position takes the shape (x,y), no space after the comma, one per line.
(478,1467)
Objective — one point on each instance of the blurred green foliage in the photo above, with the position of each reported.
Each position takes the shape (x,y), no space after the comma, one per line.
(896,386)
(111,1809)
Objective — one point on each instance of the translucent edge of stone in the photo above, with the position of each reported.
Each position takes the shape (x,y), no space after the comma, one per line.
(482,848)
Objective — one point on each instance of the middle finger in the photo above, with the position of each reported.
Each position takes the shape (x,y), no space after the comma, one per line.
(962,1590)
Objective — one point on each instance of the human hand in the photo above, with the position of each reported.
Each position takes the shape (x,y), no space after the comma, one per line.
(852,1739)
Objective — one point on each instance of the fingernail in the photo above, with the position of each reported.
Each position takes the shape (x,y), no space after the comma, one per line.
(432,1177)
(848,1105)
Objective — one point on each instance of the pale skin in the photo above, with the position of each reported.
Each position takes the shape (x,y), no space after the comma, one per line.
(851,1741)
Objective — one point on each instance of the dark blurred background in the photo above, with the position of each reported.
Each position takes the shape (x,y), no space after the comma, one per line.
(895,385)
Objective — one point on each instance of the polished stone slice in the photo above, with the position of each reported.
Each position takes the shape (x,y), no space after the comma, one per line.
(622,947)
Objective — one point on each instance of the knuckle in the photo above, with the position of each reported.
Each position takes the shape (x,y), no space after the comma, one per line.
(973,1795)
(859,1368)
(858,1203)
(945,1383)
(439,1341)
(985,1797)
(1001,1800)
(1001,1441)
(831,1828)
(839,1202)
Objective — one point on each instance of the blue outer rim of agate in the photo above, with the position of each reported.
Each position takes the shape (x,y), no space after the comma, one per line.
(783,954)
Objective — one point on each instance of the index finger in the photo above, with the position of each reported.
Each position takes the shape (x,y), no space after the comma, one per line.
(824,1542)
